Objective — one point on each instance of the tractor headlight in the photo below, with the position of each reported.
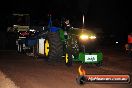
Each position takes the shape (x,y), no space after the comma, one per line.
(92,37)
(86,37)
(83,37)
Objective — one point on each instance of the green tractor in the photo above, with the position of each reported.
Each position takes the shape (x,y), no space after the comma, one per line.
(71,44)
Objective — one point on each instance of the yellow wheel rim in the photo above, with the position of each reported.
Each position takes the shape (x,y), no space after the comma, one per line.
(66,57)
(46,47)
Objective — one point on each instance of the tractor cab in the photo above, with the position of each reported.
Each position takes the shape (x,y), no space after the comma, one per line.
(20,25)
(19,22)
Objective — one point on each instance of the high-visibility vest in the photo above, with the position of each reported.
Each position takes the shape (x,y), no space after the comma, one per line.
(130,39)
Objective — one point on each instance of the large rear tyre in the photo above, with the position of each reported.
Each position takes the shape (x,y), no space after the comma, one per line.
(53,47)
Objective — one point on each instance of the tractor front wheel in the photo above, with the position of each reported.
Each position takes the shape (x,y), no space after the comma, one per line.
(68,59)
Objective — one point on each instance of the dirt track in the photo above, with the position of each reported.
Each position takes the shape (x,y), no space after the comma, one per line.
(26,72)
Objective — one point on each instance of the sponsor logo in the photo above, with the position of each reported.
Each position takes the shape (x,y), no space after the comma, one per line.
(90,58)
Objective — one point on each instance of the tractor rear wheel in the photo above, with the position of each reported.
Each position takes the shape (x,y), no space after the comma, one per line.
(53,46)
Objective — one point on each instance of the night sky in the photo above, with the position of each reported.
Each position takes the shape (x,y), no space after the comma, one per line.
(110,15)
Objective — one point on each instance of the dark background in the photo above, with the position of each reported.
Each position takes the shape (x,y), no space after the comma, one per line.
(109,15)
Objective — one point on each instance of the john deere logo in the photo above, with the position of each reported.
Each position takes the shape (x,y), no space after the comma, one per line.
(90,58)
